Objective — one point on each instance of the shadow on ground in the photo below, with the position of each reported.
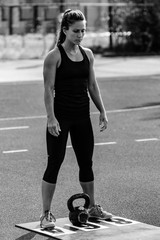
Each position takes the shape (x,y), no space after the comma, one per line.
(27,236)
(150,104)
(154,116)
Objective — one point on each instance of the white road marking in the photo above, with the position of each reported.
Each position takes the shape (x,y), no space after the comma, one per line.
(22,118)
(98,144)
(105,143)
(16,151)
(69,146)
(14,128)
(146,139)
(92,113)
(130,109)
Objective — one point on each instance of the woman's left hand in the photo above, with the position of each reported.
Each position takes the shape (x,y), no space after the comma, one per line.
(103,121)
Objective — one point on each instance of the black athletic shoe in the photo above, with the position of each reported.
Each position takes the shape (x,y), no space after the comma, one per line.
(97,212)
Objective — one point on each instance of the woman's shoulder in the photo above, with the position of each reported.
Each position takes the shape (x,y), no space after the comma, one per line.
(52,57)
(88,52)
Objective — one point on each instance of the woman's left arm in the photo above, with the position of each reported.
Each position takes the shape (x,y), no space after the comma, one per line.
(95,94)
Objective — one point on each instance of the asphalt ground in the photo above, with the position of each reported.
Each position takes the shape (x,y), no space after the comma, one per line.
(126,156)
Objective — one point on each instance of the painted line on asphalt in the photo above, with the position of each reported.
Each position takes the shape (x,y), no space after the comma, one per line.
(98,144)
(23,118)
(68,146)
(130,109)
(92,113)
(14,128)
(146,139)
(16,151)
(105,143)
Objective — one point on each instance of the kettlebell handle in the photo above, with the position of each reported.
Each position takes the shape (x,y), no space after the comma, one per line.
(77,196)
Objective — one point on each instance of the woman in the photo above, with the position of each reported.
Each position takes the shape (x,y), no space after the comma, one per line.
(68,78)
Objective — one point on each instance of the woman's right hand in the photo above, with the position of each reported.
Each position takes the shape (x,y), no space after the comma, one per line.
(53,127)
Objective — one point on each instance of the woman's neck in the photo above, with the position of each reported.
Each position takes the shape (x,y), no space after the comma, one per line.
(71,49)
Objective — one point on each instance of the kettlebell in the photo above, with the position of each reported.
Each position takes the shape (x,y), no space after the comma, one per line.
(78,215)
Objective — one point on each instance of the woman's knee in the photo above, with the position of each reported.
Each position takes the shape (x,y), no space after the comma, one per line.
(52,169)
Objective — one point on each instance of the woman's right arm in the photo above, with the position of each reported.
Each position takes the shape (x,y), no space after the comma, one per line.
(49,73)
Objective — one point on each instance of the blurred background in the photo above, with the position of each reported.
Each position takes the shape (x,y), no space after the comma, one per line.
(128,27)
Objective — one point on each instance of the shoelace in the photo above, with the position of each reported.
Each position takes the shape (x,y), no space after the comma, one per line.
(99,209)
(50,217)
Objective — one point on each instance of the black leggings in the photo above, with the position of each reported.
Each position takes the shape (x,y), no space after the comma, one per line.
(82,139)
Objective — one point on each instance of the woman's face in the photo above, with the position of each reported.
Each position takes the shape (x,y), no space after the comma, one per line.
(76,32)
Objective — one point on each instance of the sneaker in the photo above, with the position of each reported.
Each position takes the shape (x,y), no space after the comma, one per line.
(47,220)
(97,212)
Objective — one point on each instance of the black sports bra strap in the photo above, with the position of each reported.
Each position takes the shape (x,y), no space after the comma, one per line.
(83,53)
(61,49)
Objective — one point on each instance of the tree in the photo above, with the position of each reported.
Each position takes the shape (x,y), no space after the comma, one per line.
(144,23)
(142,19)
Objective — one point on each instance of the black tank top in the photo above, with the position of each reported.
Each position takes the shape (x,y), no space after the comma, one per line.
(71,87)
